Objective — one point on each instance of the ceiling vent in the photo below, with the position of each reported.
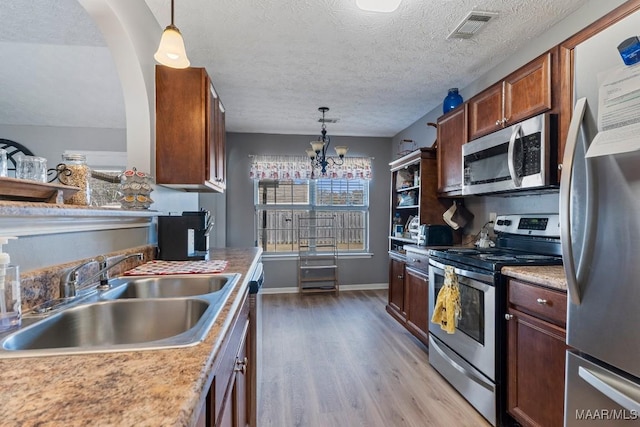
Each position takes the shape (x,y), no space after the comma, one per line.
(471,24)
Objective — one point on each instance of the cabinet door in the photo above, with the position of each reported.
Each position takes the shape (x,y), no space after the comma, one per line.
(535,376)
(452,133)
(189,131)
(417,300)
(485,111)
(396,286)
(527,92)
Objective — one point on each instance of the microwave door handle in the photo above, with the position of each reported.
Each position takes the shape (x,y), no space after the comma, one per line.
(511,161)
(565,201)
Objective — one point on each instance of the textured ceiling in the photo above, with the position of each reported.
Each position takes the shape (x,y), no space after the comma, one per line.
(274,62)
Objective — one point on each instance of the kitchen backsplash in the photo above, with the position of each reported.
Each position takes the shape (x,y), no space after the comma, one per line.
(39,286)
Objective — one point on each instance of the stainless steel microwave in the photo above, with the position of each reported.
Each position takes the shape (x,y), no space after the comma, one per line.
(518,157)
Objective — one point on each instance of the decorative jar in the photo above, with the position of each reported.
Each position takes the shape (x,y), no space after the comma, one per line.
(452,100)
(76,174)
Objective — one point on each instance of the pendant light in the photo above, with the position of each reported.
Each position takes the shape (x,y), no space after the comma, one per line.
(171,51)
(318,151)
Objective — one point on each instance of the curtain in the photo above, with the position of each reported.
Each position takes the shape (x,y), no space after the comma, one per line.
(299,167)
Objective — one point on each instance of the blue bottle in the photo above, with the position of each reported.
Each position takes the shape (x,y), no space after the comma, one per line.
(452,100)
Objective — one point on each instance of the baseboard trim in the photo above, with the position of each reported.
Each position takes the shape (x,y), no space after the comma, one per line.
(343,288)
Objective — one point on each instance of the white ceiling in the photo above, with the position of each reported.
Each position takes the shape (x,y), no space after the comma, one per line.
(274,62)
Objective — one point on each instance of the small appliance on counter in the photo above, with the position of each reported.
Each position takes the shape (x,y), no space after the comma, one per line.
(184,237)
(435,235)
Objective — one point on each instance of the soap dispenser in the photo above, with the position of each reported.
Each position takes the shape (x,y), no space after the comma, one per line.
(10,301)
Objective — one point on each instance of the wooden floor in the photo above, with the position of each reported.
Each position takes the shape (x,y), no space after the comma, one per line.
(343,361)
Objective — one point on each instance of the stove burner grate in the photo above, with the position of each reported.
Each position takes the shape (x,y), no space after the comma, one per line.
(534,257)
(463,251)
(499,258)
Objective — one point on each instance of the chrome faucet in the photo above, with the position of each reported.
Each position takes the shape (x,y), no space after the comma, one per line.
(70,286)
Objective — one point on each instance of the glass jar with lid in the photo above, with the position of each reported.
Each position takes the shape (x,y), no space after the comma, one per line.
(77,174)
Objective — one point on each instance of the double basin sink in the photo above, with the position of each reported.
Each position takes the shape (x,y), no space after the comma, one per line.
(136,313)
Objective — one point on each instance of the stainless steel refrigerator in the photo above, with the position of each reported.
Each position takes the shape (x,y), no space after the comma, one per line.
(600,219)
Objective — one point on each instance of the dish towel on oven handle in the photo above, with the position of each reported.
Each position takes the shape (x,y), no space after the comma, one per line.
(447,310)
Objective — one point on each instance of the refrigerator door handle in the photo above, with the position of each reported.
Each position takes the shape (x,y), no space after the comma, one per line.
(611,388)
(511,161)
(565,201)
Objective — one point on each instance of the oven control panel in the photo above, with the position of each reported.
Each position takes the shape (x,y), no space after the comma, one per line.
(544,225)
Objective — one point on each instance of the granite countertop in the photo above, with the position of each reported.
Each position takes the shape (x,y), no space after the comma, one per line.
(551,276)
(143,388)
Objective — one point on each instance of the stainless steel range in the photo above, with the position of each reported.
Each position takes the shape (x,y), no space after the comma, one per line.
(473,358)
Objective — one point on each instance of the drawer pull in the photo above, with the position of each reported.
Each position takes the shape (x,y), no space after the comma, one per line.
(401,277)
(241,366)
(541,301)
(415,260)
(508,316)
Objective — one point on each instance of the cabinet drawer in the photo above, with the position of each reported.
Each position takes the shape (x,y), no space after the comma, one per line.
(417,260)
(538,301)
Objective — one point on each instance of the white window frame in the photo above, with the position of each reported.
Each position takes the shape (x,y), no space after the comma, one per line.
(309,209)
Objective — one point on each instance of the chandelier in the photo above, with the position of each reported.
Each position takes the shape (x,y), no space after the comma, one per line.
(318,151)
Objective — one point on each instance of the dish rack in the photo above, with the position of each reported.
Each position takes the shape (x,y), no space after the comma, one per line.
(317,255)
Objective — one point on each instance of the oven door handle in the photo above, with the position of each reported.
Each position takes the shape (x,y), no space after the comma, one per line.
(511,153)
(466,372)
(486,278)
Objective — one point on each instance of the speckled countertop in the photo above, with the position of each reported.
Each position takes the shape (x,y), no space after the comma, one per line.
(143,388)
(551,276)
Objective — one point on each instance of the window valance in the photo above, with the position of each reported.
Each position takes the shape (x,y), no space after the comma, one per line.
(299,167)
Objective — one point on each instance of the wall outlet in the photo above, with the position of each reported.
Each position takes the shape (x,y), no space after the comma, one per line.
(492,217)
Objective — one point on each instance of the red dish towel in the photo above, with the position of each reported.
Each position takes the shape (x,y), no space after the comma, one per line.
(178,267)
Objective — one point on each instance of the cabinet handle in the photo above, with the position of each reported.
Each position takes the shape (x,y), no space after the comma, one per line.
(504,121)
(241,366)
(415,260)
(401,277)
(498,122)
(560,166)
(541,301)
(508,316)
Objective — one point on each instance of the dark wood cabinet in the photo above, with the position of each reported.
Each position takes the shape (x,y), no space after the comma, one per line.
(395,305)
(414,181)
(231,398)
(417,304)
(190,131)
(452,134)
(523,94)
(536,336)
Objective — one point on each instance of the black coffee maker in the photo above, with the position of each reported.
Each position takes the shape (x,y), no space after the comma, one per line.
(184,237)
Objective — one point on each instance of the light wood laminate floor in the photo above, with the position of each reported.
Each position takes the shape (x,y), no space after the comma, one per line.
(343,361)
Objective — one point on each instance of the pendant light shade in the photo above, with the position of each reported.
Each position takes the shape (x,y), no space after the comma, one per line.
(171,51)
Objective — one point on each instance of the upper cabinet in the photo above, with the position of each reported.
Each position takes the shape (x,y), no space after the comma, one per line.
(524,93)
(190,131)
(452,134)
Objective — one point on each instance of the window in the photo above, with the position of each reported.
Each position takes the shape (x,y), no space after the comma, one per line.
(280,203)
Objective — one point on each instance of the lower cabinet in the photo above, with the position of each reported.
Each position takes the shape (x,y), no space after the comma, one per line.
(409,294)
(417,291)
(536,351)
(229,401)
(395,305)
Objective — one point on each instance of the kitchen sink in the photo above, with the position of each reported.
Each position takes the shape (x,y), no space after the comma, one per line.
(170,286)
(141,313)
